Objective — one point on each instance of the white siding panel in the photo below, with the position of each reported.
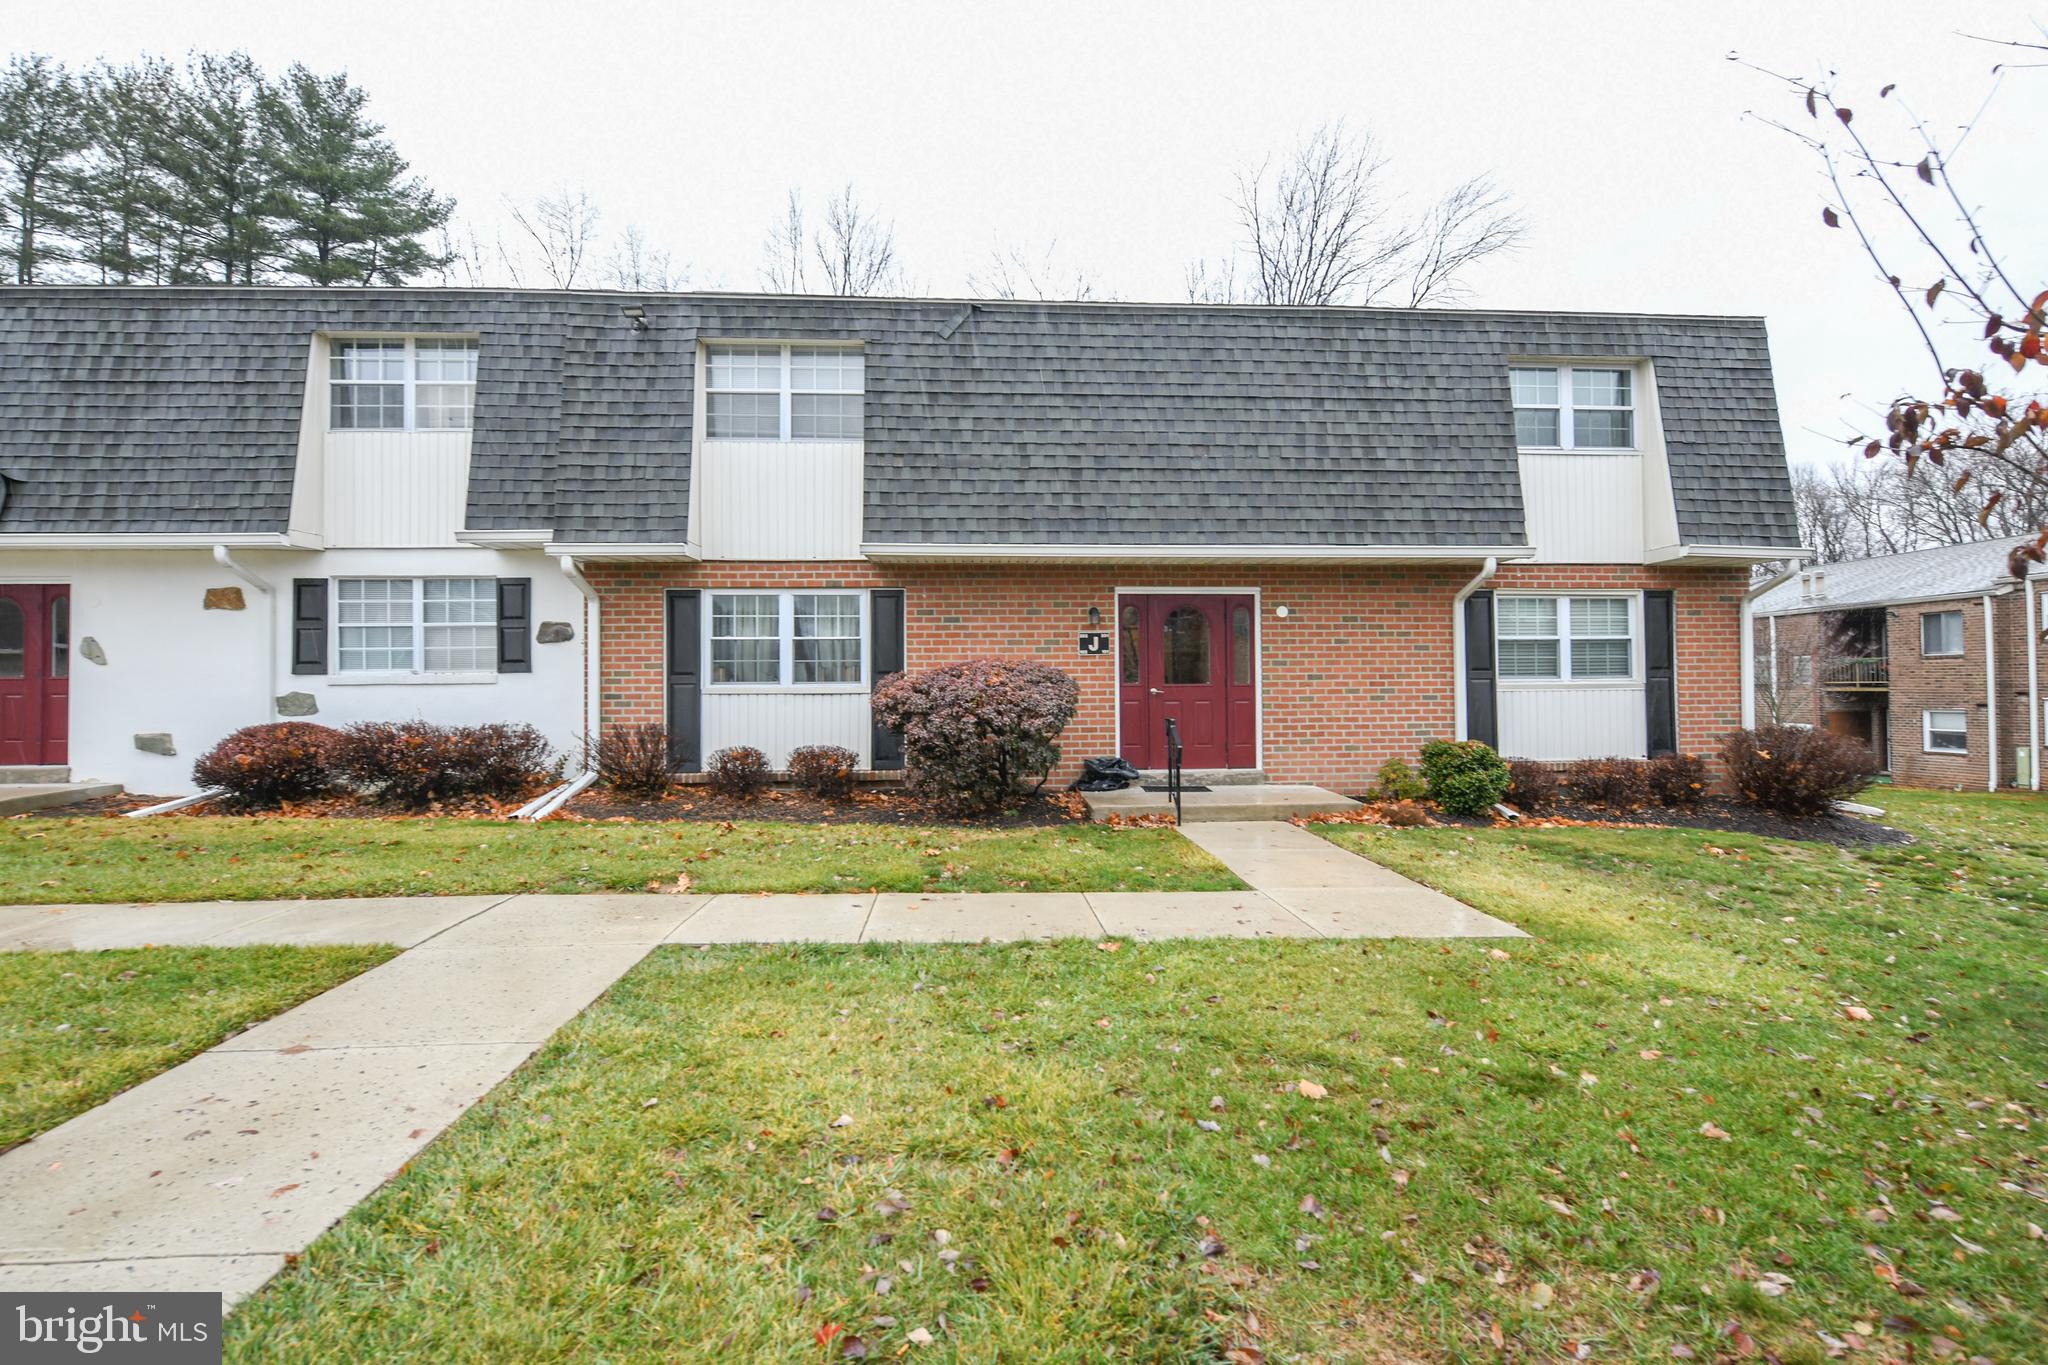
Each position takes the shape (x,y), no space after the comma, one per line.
(396,488)
(1558,723)
(1584,509)
(780,499)
(776,722)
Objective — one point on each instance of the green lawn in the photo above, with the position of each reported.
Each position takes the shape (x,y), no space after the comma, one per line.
(78,1028)
(1524,1137)
(183,858)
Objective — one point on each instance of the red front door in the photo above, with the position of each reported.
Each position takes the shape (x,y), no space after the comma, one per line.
(35,673)
(1192,659)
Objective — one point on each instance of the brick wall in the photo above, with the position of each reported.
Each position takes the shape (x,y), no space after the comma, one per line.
(1359,670)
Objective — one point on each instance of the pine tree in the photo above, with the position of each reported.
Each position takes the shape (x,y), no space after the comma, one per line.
(347,213)
(218,210)
(42,129)
(119,190)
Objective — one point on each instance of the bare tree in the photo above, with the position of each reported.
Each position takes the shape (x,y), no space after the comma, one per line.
(1012,274)
(559,229)
(465,260)
(1322,228)
(782,269)
(636,265)
(854,251)
(1213,286)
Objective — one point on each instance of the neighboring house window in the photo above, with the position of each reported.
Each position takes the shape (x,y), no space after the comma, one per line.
(1573,407)
(787,639)
(1802,670)
(401,385)
(1941,634)
(774,393)
(1947,732)
(1565,639)
(416,625)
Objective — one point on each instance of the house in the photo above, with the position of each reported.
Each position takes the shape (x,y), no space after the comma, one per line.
(1932,659)
(1316,537)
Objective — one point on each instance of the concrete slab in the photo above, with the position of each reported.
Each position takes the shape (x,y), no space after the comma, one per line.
(974,917)
(91,927)
(455,995)
(16,798)
(1250,836)
(403,920)
(1149,915)
(1323,869)
(570,921)
(1265,801)
(1412,911)
(235,1153)
(234,1278)
(777,919)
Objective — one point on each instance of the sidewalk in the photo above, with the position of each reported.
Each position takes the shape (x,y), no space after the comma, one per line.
(208,1175)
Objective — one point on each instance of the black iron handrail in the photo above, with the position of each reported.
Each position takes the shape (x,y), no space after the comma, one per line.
(1173,765)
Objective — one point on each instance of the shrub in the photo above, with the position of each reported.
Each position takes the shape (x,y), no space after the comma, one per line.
(1531,786)
(1678,780)
(415,763)
(1623,783)
(633,760)
(1397,781)
(824,770)
(1793,771)
(262,765)
(739,771)
(972,731)
(1465,777)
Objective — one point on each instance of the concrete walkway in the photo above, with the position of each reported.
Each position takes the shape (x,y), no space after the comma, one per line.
(208,1175)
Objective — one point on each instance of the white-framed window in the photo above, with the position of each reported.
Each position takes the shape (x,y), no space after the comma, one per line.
(805,640)
(1564,639)
(1945,732)
(1574,407)
(777,393)
(416,625)
(401,384)
(1941,634)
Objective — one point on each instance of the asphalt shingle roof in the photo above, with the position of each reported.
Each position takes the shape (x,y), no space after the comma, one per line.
(154,410)
(1917,576)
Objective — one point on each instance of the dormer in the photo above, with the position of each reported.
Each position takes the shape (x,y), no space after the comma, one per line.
(779,471)
(1589,439)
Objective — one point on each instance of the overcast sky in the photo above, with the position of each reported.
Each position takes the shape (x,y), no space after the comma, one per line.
(1115,128)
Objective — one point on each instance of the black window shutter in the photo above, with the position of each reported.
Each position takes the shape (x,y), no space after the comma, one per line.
(1660,671)
(885,656)
(515,625)
(309,625)
(685,681)
(1480,713)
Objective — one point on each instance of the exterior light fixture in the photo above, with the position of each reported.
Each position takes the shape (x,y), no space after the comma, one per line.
(1094,617)
(635,314)
(1280,612)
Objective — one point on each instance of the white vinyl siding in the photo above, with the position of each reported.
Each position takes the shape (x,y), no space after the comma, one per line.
(1945,732)
(1941,634)
(416,625)
(805,641)
(777,393)
(1573,407)
(1565,639)
(401,384)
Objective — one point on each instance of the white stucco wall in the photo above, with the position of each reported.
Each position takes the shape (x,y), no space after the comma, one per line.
(173,667)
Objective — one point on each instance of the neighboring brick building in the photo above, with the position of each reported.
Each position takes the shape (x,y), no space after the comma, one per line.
(1892,651)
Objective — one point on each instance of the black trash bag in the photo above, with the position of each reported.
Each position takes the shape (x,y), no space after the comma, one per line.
(1105,775)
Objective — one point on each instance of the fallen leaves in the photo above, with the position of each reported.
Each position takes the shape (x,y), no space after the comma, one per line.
(1715,1131)
(1309,1090)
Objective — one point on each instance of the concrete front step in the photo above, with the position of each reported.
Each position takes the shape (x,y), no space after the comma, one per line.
(17,798)
(1263,801)
(1208,777)
(53,772)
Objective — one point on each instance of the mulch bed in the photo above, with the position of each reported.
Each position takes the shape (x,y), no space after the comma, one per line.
(1035,811)
(1715,813)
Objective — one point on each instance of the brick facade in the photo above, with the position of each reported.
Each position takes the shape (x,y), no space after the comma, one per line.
(1359,670)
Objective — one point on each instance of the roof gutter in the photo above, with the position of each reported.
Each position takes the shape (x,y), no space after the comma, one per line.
(226,560)
(1742,554)
(198,540)
(1747,616)
(1196,553)
(1486,571)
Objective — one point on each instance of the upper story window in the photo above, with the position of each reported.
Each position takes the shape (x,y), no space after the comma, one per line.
(783,393)
(1564,639)
(401,384)
(1574,407)
(1941,634)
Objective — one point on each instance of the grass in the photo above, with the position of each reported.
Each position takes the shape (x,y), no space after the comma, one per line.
(78,1028)
(1515,1137)
(183,858)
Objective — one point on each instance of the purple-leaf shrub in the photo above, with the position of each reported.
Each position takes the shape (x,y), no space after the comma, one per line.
(973,731)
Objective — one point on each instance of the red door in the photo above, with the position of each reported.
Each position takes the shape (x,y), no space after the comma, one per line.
(1191,659)
(35,673)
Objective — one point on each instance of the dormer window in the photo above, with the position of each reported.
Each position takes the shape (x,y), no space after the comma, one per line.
(401,384)
(1574,407)
(783,393)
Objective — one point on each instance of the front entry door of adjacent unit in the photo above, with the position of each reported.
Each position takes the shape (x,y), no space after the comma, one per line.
(1192,659)
(35,673)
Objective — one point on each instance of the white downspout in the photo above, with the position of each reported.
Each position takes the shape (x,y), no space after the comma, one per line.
(1747,617)
(593,676)
(1777,703)
(1486,571)
(2033,676)
(227,561)
(1990,699)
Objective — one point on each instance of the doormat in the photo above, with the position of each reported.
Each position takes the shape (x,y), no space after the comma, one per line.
(1185,787)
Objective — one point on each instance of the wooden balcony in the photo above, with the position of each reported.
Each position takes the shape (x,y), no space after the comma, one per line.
(1871,673)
